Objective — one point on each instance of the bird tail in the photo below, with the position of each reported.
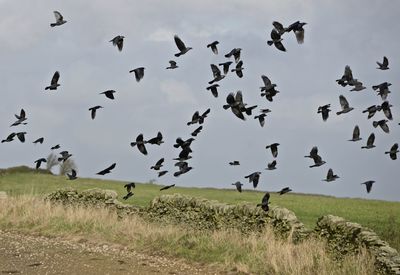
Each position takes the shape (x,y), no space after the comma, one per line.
(53,25)
(178,54)
(375,124)
(133,144)
(270,42)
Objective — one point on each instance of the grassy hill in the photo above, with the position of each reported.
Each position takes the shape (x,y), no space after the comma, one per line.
(381,216)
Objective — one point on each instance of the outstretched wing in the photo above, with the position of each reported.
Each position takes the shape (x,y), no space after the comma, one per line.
(179,43)
(58,16)
(55,78)
(343,102)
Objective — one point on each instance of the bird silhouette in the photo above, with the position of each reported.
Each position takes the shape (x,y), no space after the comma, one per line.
(372,110)
(127,196)
(140,142)
(254,178)
(129,186)
(172,65)
(107,170)
(109,94)
(54,82)
(264,202)
(118,41)
(157,139)
(216,74)
(297,28)
(386,110)
(330,176)
(234,163)
(72,176)
(276,40)
(285,190)
(382,89)
(225,66)
(368,185)
(9,138)
(384,65)
(162,173)
(139,73)
(197,118)
(93,111)
(213,47)
(39,140)
(181,46)
(235,53)
(213,89)
(274,149)
(158,164)
(356,134)
(370,142)
(324,110)
(271,165)
(238,185)
(59,19)
(197,131)
(55,147)
(239,69)
(167,187)
(381,123)
(393,151)
(344,105)
(39,162)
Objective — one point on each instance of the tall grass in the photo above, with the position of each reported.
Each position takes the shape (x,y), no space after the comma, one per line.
(259,253)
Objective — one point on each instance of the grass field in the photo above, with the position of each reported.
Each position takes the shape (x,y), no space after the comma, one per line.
(381,216)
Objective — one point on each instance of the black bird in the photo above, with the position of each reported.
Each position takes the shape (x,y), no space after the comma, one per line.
(368,185)
(237,106)
(234,163)
(238,69)
(317,158)
(93,110)
(276,40)
(298,30)
(197,131)
(39,162)
(268,90)
(129,186)
(109,94)
(118,41)
(344,105)
(393,151)
(324,110)
(139,73)
(213,89)
(225,66)
(330,176)
(285,190)
(271,165)
(254,178)
(184,154)
(216,74)
(356,134)
(156,140)
(372,110)
(9,138)
(107,170)
(279,27)
(59,19)
(183,171)
(346,78)
(261,119)
(158,164)
(384,65)
(22,115)
(64,156)
(382,89)
(265,111)
(181,46)
(358,86)
(167,187)
(386,110)
(197,118)
(381,123)
(140,142)
(238,185)
(72,176)
(162,173)
(172,65)
(127,196)
(236,54)
(39,140)
(55,147)
(21,136)
(370,142)
(54,82)
(264,203)
(183,143)
(213,46)
(274,149)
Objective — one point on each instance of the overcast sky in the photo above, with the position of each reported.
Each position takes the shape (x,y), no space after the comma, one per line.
(355,33)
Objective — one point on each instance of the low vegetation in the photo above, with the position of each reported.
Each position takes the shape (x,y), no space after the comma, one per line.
(259,253)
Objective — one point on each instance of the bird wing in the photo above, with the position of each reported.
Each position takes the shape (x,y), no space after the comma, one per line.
(55,78)
(160,162)
(216,71)
(58,16)
(265,199)
(314,151)
(299,36)
(356,132)
(172,63)
(278,26)
(343,102)
(280,46)
(236,54)
(330,174)
(371,139)
(394,148)
(120,44)
(139,138)
(239,65)
(347,73)
(275,35)
(179,43)
(266,80)
(230,99)
(142,148)
(385,61)
(239,97)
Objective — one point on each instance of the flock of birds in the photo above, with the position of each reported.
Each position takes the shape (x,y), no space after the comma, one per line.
(235,103)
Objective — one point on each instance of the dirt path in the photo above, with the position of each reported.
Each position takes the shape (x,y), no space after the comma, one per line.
(23,254)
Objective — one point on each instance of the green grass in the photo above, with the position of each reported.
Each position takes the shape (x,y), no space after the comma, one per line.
(381,216)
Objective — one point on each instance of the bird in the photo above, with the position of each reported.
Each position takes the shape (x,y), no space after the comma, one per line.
(216,74)
(59,19)
(271,165)
(274,149)
(39,162)
(344,105)
(276,40)
(356,134)
(39,140)
(162,173)
(238,185)
(118,41)
(346,78)
(183,170)
(324,110)
(184,144)
(21,117)
(368,185)
(129,186)
(385,107)
(64,156)
(381,123)
(139,73)
(140,142)
(213,89)
(213,47)
(93,111)
(184,154)
(261,119)
(239,69)
(109,94)
(265,111)
(172,65)
(317,158)
(225,66)
(382,89)
(237,106)
(127,196)
(372,110)
(297,28)
(157,139)
(330,176)
(285,190)
(197,118)
(181,46)
(54,82)
(21,136)
(158,164)
(197,131)
(370,142)
(72,176)
(55,147)
(268,90)
(234,163)
(9,138)
(264,202)
(235,53)
(384,65)
(167,187)
(358,86)
(107,170)
(279,27)
(393,151)
(254,178)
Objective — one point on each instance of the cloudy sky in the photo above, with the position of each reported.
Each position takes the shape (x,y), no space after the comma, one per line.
(357,33)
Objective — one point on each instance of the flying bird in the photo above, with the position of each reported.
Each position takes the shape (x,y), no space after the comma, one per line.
(172,65)
(386,110)
(271,165)
(239,69)
(384,65)
(64,156)
(274,149)
(235,53)
(268,90)
(225,66)
(140,142)
(109,94)
(197,131)
(358,86)
(393,151)
(216,74)
(20,118)
(368,185)
(184,144)
(297,28)
(279,27)
(213,47)
(158,164)
(382,89)
(9,138)
(39,140)
(156,140)
(59,19)
(276,40)
(238,185)
(162,173)
(107,170)
(330,176)
(344,105)
(93,110)
(261,119)
(129,186)
(254,178)
(55,147)
(127,196)
(356,134)
(213,89)
(234,163)
(370,142)
(21,136)
(181,46)
(285,190)
(381,123)
(317,158)
(264,202)
(324,110)
(372,110)
(118,41)
(54,82)
(139,73)
(39,162)
(167,187)
(197,118)
(346,78)
(72,176)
